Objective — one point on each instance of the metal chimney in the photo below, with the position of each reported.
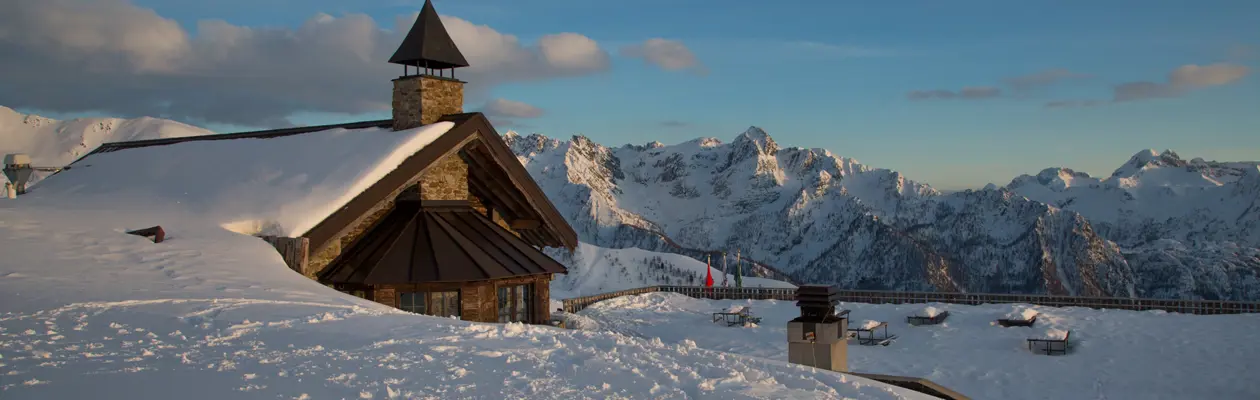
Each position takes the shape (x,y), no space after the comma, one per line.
(818,337)
(17,167)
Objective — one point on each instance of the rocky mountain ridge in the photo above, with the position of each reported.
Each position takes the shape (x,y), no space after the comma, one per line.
(818,217)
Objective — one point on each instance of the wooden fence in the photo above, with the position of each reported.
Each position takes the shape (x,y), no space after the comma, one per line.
(884,297)
(295,251)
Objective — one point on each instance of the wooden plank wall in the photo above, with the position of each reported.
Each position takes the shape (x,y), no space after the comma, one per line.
(295,251)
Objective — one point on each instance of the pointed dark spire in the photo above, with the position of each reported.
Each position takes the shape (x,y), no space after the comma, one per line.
(428,45)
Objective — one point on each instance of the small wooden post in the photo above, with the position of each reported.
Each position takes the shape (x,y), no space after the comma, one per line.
(294,251)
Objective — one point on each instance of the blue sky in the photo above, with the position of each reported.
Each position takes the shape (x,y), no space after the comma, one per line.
(836,75)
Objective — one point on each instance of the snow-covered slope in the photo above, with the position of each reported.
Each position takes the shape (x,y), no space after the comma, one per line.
(1189,228)
(819,217)
(594,270)
(53,143)
(1115,354)
(87,311)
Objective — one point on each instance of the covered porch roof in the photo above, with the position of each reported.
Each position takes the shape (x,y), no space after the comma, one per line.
(436,241)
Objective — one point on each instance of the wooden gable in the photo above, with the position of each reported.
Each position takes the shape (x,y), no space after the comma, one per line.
(496,179)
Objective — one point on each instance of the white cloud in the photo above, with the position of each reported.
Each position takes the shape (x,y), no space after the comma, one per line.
(1181,80)
(1197,76)
(1025,83)
(113,57)
(968,93)
(670,55)
(841,50)
(505,108)
(573,52)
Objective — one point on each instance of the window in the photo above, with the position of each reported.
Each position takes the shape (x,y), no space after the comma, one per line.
(444,304)
(438,304)
(514,303)
(413,302)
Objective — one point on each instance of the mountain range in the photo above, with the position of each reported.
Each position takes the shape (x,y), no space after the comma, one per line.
(1159,226)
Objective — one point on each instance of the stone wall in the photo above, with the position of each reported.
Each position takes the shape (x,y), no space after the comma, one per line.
(446,179)
(423,99)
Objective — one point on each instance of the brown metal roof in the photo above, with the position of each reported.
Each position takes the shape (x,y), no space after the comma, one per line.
(436,241)
(428,45)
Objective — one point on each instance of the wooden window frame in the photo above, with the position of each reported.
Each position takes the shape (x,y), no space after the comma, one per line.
(515,312)
(435,303)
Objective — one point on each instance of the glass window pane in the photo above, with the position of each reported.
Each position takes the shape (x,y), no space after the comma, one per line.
(411,302)
(521,304)
(436,303)
(452,304)
(505,309)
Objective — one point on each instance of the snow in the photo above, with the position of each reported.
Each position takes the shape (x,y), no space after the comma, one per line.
(213,314)
(1052,333)
(595,270)
(868,324)
(53,143)
(279,186)
(1115,354)
(929,311)
(1021,313)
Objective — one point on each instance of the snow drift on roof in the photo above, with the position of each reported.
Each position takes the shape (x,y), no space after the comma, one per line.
(281,186)
(53,143)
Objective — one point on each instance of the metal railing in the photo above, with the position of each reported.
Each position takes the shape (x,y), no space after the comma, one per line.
(1203,307)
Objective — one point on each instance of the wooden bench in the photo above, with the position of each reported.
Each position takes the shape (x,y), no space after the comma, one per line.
(742,317)
(1006,323)
(1052,346)
(920,320)
(867,336)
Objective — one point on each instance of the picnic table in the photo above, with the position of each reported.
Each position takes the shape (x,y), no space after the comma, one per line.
(1006,322)
(933,320)
(868,336)
(731,317)
(1051,346)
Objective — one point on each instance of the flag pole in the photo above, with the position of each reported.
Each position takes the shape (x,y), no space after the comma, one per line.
(724,274)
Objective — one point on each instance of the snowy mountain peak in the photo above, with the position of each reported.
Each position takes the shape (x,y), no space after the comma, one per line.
(1056,179)
(1147,159)
(756,138)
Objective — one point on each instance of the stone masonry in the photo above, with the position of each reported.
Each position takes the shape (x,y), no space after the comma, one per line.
(423,99)
(446,179)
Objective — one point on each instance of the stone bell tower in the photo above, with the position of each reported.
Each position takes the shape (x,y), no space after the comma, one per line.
(426,96)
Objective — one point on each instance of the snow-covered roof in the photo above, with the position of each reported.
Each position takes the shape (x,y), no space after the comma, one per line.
(52,143)
(279,185)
